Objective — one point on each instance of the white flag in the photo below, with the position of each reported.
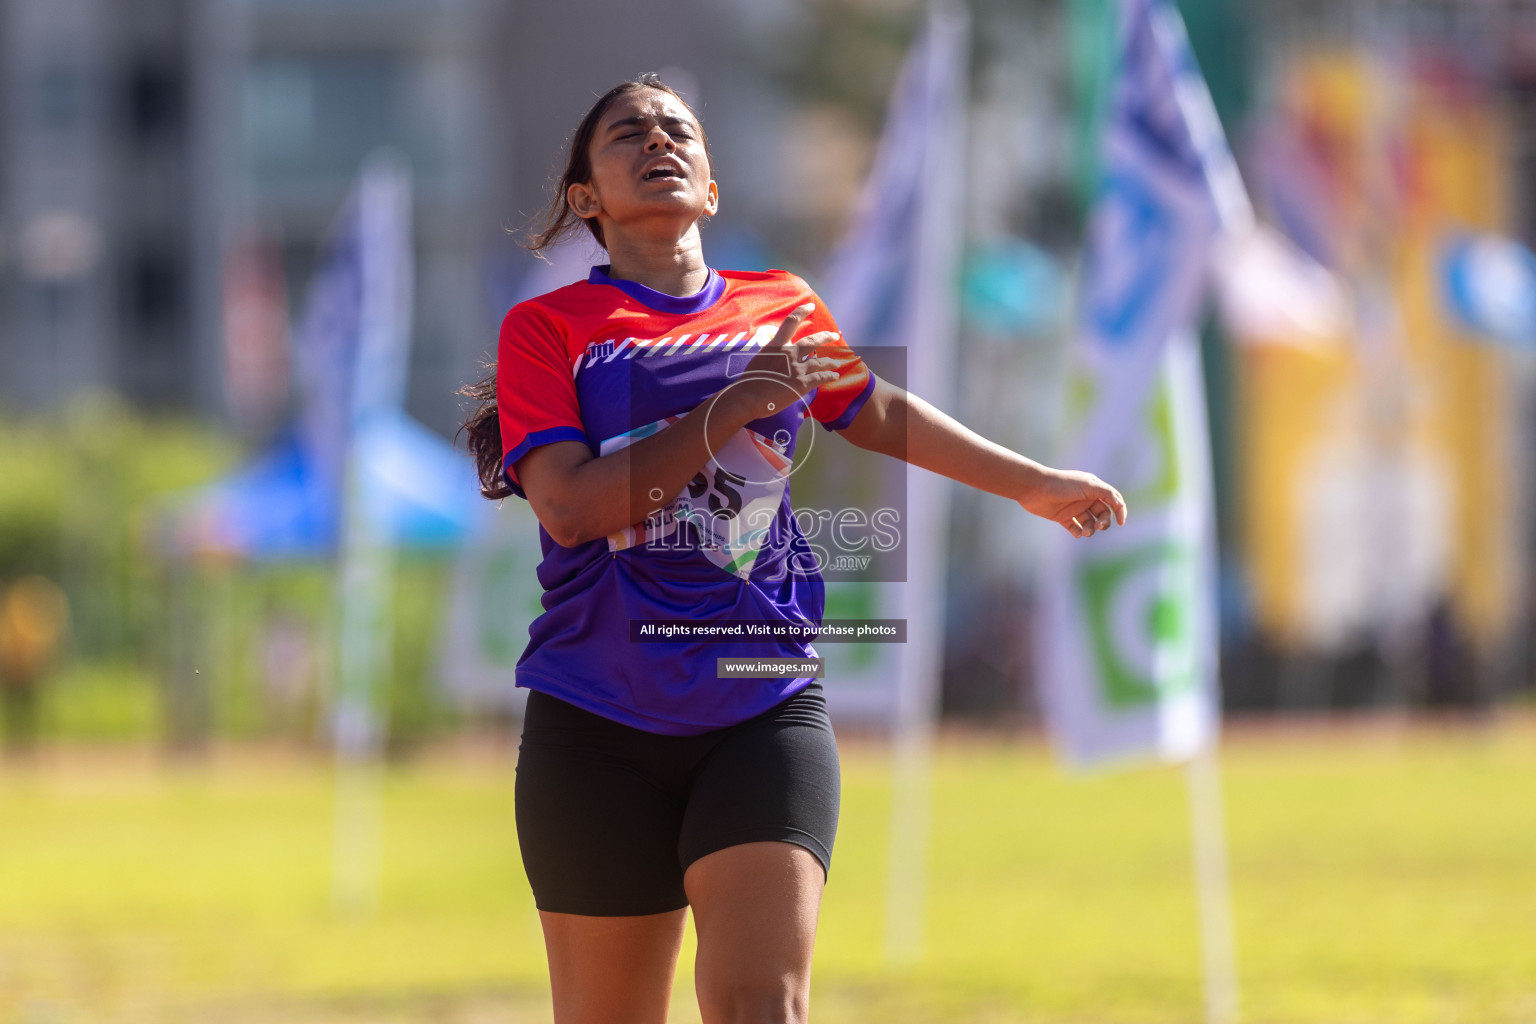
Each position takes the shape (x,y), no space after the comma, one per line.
(1127,642)
(891,283)
(377,225)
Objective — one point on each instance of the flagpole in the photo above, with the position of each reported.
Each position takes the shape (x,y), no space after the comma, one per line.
(906,880)
(1213,890)
(1213,885)
(942,60)
(904,248)
(377,371)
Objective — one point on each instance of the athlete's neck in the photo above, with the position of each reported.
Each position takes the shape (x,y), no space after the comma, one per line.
(672,267)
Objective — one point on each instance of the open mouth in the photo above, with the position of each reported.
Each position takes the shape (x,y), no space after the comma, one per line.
(664,173)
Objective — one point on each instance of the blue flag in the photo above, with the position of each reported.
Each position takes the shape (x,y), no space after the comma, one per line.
(1126,629)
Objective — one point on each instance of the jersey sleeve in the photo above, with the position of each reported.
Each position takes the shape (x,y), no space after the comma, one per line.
(836,404)
(535,390)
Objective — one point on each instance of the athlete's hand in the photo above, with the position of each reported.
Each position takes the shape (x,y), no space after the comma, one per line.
(786,369)
(1081,502)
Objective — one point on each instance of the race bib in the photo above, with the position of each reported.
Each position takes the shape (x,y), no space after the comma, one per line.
(725,511)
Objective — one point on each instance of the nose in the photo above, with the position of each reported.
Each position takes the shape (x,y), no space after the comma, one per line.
(658,139)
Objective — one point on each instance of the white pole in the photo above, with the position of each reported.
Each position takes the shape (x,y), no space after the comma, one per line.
(358,837)
(380,363)
(943,58)
(907,878)
(1213,887)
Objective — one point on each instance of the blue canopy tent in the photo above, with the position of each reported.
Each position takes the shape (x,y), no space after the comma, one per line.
(284,505)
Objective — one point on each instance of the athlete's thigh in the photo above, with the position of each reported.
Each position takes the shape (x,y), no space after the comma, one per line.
(612,970)
(756,844)
(755,907)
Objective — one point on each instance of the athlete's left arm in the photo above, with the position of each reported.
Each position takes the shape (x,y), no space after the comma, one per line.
(897,423)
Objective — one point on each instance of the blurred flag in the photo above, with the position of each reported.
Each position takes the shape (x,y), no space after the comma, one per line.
(326,341)
(364,320)
(1127,648)
(892,284)
(359,328)
(1271,292)
(1127,657)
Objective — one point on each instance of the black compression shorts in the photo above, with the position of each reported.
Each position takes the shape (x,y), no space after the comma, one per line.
(609,816)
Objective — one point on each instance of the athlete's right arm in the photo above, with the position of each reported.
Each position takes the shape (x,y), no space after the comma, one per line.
(580,497)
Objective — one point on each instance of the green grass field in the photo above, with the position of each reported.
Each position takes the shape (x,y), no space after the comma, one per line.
(1381,874)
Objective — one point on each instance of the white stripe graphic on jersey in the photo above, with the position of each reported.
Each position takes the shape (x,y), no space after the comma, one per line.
(760,338)
(603,352)
(640,345)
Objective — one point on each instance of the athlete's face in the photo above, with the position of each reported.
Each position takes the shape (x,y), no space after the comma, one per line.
(648,165)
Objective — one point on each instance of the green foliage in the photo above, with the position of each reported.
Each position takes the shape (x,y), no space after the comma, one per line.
(32,482)
(79,494)
(101,701)
(83,500)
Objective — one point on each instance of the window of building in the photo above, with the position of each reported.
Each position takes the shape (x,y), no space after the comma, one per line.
(309,116)
(58,96)
(153,100)
(152,291)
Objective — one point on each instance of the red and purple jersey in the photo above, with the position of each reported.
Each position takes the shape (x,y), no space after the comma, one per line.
(608,362)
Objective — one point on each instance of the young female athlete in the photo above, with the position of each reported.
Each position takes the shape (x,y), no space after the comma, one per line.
(649,415)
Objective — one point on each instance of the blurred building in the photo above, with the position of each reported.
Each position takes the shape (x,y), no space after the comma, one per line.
(96,165)
(166,165)
(298,94)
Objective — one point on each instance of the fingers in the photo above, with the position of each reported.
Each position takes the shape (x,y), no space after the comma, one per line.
(1080,526)
(1089,524)
(1114,503)
(1097,516)
(821,363)
(795,363)
(1091,506)
(804,347)
(786,358)
(1105,509)
(792,323)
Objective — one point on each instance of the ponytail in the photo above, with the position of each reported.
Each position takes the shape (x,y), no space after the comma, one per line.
(482,430)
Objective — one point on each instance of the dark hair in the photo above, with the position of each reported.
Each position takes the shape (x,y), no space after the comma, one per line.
(483,427)
(482,436)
